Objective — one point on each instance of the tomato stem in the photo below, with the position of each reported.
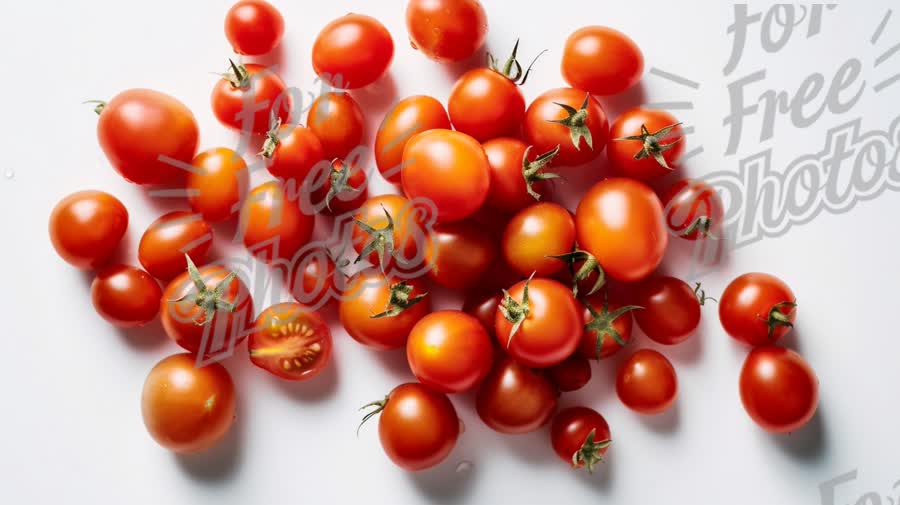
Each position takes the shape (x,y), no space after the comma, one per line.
(99,107)
(379,406)
(701,226)
(399,300)
(239,77)
(512,69)
(778,318)
(382,242)
(602,323)
(272,140)
(651,144)
(532,170)
(589,264)
(591,452)
(515,312)
(701,295)
(339,178)
(576,122)
(210,300)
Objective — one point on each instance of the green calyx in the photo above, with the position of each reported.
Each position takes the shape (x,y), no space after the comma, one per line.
(339,178)
(209,300)
(514,311)
(272,140)
(591,452)
(589,264)
(381,243)
(512,69)
(399,300)
(701,295)
(533,172)
(98,108)
(778,318)
(576,122)
(650,144)
(379,406)
(701,226)
(602,323)
(238,76)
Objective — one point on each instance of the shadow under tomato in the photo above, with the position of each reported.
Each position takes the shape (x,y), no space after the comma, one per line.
(445,484)
(601,480)
(454,70)
(274,58)
(147,338)
(665,423)
(615,105)
(316,389)
(809,443)
(376,98)
(395,362)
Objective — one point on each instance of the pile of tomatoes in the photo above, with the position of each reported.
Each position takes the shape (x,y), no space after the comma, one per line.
(547,290)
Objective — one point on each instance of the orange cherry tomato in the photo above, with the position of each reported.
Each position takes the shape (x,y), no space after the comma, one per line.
(292,152)
(408,234)
(272,224)
(338,122)
(653,133)
(290,341)
(171,237)
(253,27)
(380,311)
(646,382)
(515,399)
(446,30)
(779,389)
(217,184)
(459,254)
(449,351)
(533,234)
(249,96)
(581,139)
(125,296)
(757,309)
(601,60)
(411,116)
(486,104)
(509,184)
(86,227)
(352,51)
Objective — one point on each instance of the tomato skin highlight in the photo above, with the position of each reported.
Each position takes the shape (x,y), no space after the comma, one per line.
(290,341)
(646,382)
(338,123)
(411,116)
(253,27)
(232,105)
(446,30)
(449,351)
(164,244)
(368,293)
(295,156)
(572,374)
(570,430)
(621,152)
(688,200)
(139,128)
(601,60)
(486,104)
(778,388)
(620,221)
(86,228)
(540,132)
(745,305)
(187,409)
(272,224)
(671,310)
(515,399)
(218,184)
(536,232)
(459,254)
(352,51)
(125,296)
(508,191)
(418,427)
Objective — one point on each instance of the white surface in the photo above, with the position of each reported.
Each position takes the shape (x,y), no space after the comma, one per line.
(71,430)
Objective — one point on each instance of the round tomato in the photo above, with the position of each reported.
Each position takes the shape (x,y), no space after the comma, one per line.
(449,351)
(217,184)
(620,222)
(315,278)
(536,234)
(380,311)
(778,389)
(515,399)
(693,210)
(411,116)
(292,152)
(390,230)
(483,306)
(145,134)
(253,27)
(646,143)
(125,296)
(272,224)
(572,374)
(290,341)
(208,320)
(571,119)
(607,327)
(671,309)
(352,51)
(601,61)
(538,322)
(86,227)
(446,30)
(338,122)
(448,168)
(250,98)
(518,177)
(646,382)
(486,104)
(340,189)
(168,239)
(418,427)
(459,254)
(580,436)
(757,309)
(186,408)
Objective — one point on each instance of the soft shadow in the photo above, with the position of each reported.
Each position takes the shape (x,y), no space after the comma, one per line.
(274,58)
(617,104)
(602,479)
(316,389)
(666,423)
(395,362)
(450,482)
(378,97)
(793,340)
(690,351)
(809,443)
(532,448)
(454,70)
(149,337)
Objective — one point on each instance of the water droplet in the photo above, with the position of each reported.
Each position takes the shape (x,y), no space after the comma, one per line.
(464,466)
(9,173)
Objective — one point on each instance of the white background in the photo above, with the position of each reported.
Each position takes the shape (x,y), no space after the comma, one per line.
(70,424)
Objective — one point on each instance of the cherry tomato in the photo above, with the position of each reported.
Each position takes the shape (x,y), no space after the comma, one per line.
(292,152)
(580,129)
(352,51)
(187,409)
(607,327)
(549,322)
(620,222)
(693,210)
(512,176)
(338,122)
(601,60)
(167,240)
(450,169)
(646,143)
(572,374)
(86,227)
(380,311)
(218,183)
(515,399)
(449,351)
(486,103)
(483,306)
(125,296)
(670,309)
(400,222)
(253,27)
(535,233)
(249,96)
(314,278)
(646,382)
(204,321)
(290,341)
(757,309)
(459,254)
(272,224)
(411,116)
(778,389)
(446,30)
(418,427)
(580,436)
(339,190)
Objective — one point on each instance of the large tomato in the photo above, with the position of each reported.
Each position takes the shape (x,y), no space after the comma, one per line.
(534,235)
(448,168)
(515,399)
(272,224)
(693,210)
(646,143)
(291,152)
(449,351)
(601,60)
(571,119)
(352,51)
(620,222)
(778,389)
(86,227)
(250,98)
(518,175)
(411,116)
(580,436)
(187,409)
(646,382)
(290,341)
(380,311)
(446,30)
(607,327)
(459,254)
(757,309)
(340,188)
(390,230)
(338,122)
(145,134)
(125,296)
(670,309)
(253,27)
(218,183)
(167,240)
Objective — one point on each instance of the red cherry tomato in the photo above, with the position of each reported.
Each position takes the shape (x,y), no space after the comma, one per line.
(511,175)
(601,60)
(459,254)
(218,183)
(411,116)
(253,27)
(446,30)
(646,382)
(352,51)
(86,227)
(125,296)
(145,134)
(486,104)
(380,311)
(757,309)
(405,228)
(572,374)
(338,122)
(292,152)
(670,309)
(693,210)
(620,222)
(314,279)
(515,399)
(272,224)
(608,326)
(483,306)
(779,390)
(534,234)
(653,136)
(290,341)
(449,351)
(340,189)
(249,96)
(167,240)
(580,436)
(581,136)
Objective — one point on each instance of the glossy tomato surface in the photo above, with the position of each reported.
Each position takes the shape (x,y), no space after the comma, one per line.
(482,305)
(217,185)
(290,341)
(249,101)
(86,227)
(534,234)
(352,51)
(621,151)
(167,240)
(601,60)
(572,374)
(460,254)
(298,151)
(580,436)
(646,382)
(540,131)
(757,309)
(779,389)
(670,309)
(411,116)
(338,122)
(486,104)
(125,296)
(272,224)
(515,399)
(508,190)
(367,295)
(409,236)
(449,351)
(253,27)
(446,30)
